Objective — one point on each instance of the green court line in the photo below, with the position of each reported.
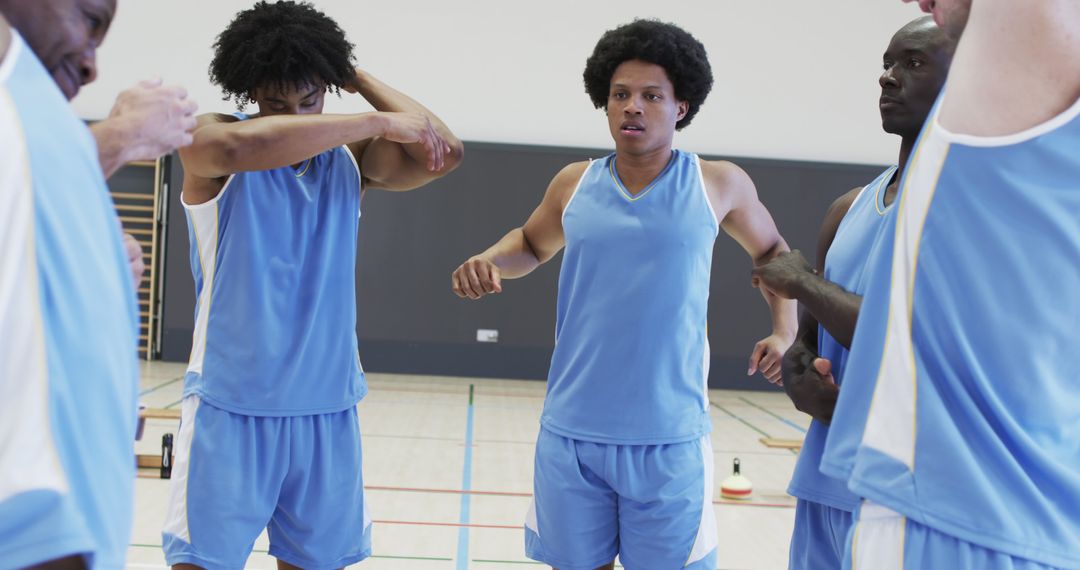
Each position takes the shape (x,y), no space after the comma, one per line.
(748,424)
(174,403)
(728,412)
(160,386)
(432,558)
(773,414)
(381,556)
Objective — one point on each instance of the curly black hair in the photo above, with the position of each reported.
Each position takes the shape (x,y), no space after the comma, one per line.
(652,41)
(280,44)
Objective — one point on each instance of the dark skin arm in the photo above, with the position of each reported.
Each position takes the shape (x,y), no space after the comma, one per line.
(811,391)
(808,390)
(791,277)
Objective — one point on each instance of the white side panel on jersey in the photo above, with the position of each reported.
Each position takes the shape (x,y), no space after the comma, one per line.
(707,538)
(890,427)
(878,539)
(204,220)
(176,519)
(29,459)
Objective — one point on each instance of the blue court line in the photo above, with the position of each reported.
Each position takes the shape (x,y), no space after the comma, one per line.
(160,386)
(777,416)
(466,485)
(746,423)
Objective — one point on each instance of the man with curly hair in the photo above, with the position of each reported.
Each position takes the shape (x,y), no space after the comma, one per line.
(623,459)
(269,435)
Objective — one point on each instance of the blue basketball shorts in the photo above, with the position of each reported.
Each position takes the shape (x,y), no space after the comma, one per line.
(882,539)
(297,476)
(819,537)
(649,504)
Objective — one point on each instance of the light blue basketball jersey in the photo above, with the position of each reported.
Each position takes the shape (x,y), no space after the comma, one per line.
(845,265)
(631,357)
(68,320)
(274,261)
(966,415)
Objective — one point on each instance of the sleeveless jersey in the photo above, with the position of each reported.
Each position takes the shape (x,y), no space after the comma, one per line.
(845,265)
(965,414)
(631,357)
(68,324)
(274,262)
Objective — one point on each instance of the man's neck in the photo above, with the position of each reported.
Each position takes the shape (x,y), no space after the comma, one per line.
(637,171)
(907,144)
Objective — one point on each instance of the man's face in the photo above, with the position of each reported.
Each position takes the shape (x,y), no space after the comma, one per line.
(951,15)
(642,109)
(916,64)
(65,35)
(306,99)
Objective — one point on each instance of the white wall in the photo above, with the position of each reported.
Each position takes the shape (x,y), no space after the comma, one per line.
(794,79)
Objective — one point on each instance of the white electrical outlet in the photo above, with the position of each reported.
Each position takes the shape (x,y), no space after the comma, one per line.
(487,335)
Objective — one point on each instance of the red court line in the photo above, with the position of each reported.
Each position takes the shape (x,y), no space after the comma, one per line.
(423,523)
(508,395)
(754,504)
(418,391)
(452,393)
(515,442)
(513,494)
(450,491)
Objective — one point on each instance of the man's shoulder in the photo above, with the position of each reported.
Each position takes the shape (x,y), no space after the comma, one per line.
(725,178)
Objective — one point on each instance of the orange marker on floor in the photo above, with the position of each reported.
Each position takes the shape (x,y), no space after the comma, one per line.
(736,486)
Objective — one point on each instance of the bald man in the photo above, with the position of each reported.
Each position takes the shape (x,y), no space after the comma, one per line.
(960,406)
(915,63)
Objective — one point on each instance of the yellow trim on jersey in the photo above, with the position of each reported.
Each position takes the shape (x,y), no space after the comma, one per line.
(33,269)
(855,544)
(878,200)
(911,304)
(904,195)
(307,165)
(626,193)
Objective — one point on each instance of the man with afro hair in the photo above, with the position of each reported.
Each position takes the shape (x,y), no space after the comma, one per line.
(269,436)
(623,459)
(69,375)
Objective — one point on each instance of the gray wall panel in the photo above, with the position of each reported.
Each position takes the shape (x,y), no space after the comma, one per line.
(410,322)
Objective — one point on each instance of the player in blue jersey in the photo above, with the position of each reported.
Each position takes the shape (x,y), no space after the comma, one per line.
(623,460)
(269,436)
(959,409)
(68,371)
(916,63)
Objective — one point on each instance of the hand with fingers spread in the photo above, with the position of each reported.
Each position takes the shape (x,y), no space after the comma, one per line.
(476,277)
(417,128)
(768,352)
(782,274)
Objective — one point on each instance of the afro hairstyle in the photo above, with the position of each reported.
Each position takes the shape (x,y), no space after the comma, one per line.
(280,44)
(652,41)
